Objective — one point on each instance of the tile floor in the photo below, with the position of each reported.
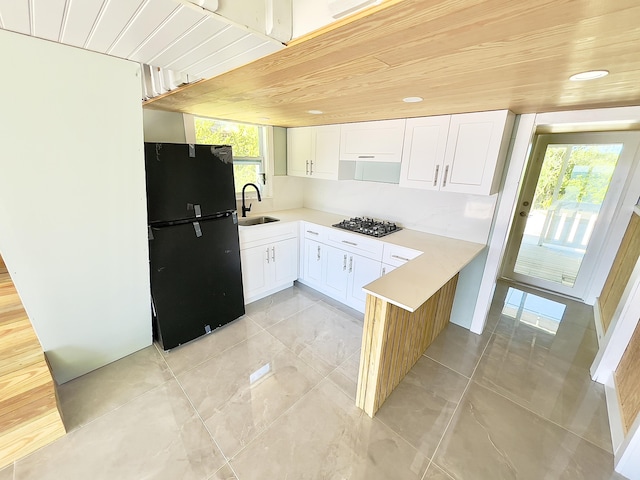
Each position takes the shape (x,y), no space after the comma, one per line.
(271,396)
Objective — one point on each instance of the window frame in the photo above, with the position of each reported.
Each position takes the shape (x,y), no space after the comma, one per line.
(265,139)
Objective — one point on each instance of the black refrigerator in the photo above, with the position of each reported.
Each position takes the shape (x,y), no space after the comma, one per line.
(194,252)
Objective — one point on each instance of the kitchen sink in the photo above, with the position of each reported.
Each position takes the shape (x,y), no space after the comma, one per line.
(247,222)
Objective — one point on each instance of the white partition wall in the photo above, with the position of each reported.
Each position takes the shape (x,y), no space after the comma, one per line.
(72,200)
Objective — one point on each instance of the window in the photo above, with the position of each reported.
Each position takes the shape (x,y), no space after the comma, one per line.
(248,142)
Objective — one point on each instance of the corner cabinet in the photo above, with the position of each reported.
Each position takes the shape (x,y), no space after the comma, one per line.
(313,151)
(456,153)
(269,257)
(339,264)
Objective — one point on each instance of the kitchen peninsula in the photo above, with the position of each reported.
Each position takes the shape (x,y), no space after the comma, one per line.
(405,308)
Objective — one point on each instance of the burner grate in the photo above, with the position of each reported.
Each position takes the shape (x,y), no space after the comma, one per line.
(368,226)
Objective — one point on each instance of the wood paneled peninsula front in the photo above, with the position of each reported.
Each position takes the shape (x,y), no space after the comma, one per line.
(404,309)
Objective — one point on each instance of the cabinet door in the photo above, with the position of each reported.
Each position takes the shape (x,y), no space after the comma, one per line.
(326,160)
(255,271)
(386,268)
(474,158)
(336,275)
(312,262)
(284,256)
(425,142)
(362,271)
(299,151)
(379,141)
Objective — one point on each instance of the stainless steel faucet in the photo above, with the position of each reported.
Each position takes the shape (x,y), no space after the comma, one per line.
(248,209)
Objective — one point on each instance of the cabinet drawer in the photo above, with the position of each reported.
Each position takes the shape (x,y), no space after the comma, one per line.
(350,242)
(397,256)
(314,232)
(261,234)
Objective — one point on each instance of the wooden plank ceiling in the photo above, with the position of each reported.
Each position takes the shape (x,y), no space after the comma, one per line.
(460,56)
(162,33)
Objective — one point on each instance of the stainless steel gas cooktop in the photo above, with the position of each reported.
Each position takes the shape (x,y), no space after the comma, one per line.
(368,226)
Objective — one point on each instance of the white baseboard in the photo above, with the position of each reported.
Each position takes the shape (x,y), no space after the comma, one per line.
(615,415)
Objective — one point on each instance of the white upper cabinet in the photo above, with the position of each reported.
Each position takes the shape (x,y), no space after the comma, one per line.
(476,150)
(379,141)
(425,142)
(298,151)
(456,153)
(313,151)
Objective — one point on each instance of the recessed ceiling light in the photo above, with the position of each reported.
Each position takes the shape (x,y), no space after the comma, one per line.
(412,99)
(590,75)
(316,112)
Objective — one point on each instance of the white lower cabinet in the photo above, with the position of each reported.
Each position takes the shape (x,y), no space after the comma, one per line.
(362,271)
(268,268)
(313,257)
(386,268)
(337,272)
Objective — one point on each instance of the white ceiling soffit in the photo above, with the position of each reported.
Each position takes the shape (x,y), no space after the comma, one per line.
(185,37)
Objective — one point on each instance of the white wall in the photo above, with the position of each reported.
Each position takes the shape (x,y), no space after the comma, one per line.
(72,200)
(466,217)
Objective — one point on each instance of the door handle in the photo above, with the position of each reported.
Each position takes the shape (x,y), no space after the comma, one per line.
(267,254)
(312,232)
(435,177)
(311,169)
(384,270)
(344,263)
(350,264)
(306,167)
(350,243)
(400,258)
(318,253)
(444,180)
(273,253)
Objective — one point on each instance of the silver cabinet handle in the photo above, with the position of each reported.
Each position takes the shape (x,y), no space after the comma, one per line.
(366,156)
(435,177)
(444,180)
(311,169)
(350,264)
(400,258)
(306,167)
(267,254)
(318,252)
(273,253)
(384,270)
(350,243)
(312,232)
(344,263)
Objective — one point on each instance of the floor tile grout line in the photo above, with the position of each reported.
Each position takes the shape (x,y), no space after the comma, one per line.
(226,458)
(263,432)
(542,417)
(217,354)
(492,389)
(455,410)
(288,316)
(445,366)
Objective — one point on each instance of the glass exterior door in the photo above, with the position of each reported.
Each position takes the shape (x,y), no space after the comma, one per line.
(566,187)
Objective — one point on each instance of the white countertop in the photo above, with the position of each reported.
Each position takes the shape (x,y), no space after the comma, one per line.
(412,284)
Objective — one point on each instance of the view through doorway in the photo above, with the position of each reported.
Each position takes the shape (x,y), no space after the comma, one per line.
(570,190)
